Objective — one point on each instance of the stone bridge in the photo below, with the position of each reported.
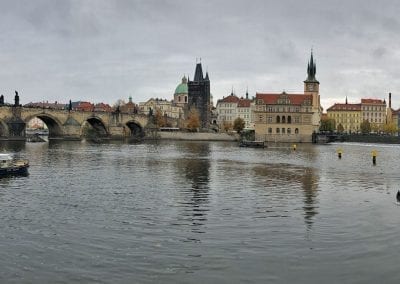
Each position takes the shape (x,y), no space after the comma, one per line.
(66,124)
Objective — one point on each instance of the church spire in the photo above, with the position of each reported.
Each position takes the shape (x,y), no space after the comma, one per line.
(311,69)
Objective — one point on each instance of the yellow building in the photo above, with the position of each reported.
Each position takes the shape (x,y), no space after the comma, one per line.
(289,117)
(346,115)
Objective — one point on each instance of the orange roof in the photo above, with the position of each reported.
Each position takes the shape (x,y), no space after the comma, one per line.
(244,103)
(272,99)
(371,101)
(345,107)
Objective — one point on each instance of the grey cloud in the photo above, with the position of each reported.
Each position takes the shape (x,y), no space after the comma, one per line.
(107,50)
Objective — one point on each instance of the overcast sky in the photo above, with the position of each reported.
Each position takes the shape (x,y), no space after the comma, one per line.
(102,51)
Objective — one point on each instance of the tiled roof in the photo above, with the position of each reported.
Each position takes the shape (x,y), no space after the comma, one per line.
(345,107)
(371,101)
(244,103)
(229,99)
(272,99)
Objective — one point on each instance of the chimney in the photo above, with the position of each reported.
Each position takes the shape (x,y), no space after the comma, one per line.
(390,100)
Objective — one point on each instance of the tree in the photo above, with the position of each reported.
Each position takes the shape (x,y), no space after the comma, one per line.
(390,128)
(327,125)
(365,127)
(119,102)
(340,128)
(159,120)
(375,127)
(193,120)
(238,124)
(226,125)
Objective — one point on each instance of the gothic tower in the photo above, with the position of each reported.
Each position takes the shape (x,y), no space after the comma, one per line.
(199,95)
(311,84)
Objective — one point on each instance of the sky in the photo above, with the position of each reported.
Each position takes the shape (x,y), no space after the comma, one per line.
(108,50)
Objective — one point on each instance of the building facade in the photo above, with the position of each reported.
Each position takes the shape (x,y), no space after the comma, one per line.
(231,107)
(374,111)
(199,96)
(347,115)
(289,117)
(167,108)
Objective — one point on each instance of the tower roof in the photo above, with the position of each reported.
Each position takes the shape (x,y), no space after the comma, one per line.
(311,70)
(198,74)
(182,88)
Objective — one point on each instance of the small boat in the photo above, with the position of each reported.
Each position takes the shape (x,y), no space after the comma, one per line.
(9,166)
(252,144)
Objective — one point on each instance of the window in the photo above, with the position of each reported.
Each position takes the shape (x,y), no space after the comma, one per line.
(289,119)
(270,119)
(278,119)
(283,130)
(277,130)
(296,131)
(289,131)
(270,130)
(283,119)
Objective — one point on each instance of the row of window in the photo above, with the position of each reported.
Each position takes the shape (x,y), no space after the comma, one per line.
(283,130)
(282,109)
(281,119)
(381,108)
(376,114)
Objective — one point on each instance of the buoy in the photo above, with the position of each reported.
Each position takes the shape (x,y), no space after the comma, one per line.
(374,153)
(398,196)
(339,152)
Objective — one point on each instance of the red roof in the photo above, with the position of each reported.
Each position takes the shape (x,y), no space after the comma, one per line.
(244,103)
(345,107)
(272,99)
(371,101)
(229,99)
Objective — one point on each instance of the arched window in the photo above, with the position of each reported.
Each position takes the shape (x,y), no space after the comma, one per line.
(277,130)
(289,131)
(296,131)
(283,130)
(283,119)
(278,119)
(289,119)
(270,130)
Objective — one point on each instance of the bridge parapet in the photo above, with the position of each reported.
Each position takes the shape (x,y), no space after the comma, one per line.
(71,124)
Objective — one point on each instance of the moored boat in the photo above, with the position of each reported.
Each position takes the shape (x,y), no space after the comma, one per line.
(9,166)
(253,144)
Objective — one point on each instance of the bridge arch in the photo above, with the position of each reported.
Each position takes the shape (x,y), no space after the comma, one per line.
(136,129)
(52,123)
(94,126)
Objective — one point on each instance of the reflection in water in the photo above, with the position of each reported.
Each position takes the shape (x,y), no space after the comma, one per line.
(310,186)
(282,179)
(12,146)
(195,169)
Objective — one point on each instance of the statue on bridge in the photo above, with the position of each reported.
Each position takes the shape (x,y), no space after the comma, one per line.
(1,100)
(16,99)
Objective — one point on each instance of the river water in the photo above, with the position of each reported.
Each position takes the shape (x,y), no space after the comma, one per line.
(200,212)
